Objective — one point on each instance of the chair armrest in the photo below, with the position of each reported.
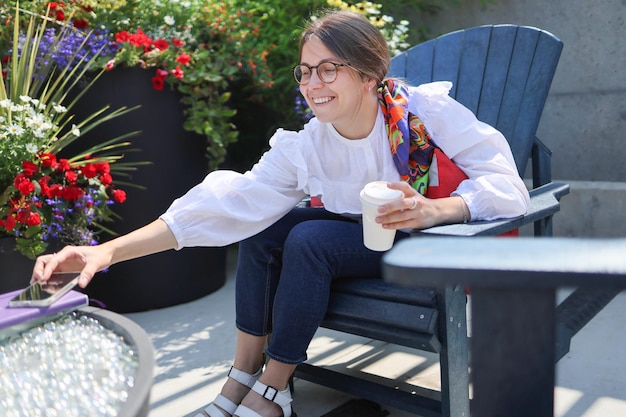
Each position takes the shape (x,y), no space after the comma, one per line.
(544,202)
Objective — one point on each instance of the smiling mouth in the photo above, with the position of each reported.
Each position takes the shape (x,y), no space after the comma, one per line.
(322,100)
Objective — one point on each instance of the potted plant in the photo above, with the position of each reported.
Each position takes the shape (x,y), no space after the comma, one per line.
(194,47)
(176,60)
(46,193)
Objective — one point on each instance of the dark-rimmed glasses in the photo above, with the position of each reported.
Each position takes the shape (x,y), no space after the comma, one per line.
(326,71)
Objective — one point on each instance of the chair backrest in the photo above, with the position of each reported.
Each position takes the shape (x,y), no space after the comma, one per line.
(500,72)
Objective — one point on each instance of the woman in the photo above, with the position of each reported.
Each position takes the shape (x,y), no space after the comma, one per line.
(288,257)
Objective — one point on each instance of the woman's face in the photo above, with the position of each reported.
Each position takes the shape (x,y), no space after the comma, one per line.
(340,102)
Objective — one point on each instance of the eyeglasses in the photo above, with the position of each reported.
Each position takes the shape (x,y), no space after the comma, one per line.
(326,71)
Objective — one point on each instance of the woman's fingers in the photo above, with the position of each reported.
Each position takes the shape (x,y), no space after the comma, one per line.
(69,259)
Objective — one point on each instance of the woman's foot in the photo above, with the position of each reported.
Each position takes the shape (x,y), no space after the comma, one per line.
(266,401)
(237,386)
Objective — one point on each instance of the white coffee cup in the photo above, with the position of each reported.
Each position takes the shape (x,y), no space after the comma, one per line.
(372,196)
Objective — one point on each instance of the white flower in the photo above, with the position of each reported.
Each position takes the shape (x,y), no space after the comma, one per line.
(169,20)
(25,99)
(59,108)
(32,148)
(75,130)
(6,103)
(39,133)
(15,130)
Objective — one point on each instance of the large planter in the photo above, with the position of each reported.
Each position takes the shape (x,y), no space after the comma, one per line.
(178,163)
(15,268)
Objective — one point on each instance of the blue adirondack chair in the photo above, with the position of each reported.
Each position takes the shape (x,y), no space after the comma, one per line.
(502,73)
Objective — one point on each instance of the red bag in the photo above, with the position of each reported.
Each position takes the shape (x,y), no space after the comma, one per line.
(449,176)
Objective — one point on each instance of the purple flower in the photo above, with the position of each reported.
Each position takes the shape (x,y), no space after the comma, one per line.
(74,47)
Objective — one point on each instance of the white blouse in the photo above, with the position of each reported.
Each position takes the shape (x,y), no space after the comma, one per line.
(228,206)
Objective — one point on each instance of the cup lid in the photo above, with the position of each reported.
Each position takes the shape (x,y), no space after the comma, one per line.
(377,192)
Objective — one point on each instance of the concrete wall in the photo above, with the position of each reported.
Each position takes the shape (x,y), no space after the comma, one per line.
(584,121)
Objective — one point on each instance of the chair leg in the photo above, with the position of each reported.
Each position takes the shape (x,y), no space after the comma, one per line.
(454,355)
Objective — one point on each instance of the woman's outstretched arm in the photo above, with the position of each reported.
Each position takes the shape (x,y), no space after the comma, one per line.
(152,238)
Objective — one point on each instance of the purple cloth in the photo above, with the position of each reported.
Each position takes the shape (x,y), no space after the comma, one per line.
(13,316)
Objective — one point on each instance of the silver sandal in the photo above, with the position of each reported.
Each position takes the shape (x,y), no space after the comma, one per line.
(224,403)
(282,398)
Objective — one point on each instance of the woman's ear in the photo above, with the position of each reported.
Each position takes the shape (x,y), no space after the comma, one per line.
(370,84)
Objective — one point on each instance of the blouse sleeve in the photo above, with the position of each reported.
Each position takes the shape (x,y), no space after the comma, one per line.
(494,188)
(228,206)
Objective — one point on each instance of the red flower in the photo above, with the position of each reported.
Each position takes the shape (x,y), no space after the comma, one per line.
(64,165)
(140,39)
(9,223)
(178,43)
(23,184)
(183,58)
(71,193)
(158,83)
(106,179)
(122,36)
(178,73)
(48,160)
(43,184)
(81,24)
(59,15)
(119,196)
(52,4)
(89,170)
(161,44)
(34,219)
(23,215)
(103,167)
(71,176)
(54,191)
(29,169)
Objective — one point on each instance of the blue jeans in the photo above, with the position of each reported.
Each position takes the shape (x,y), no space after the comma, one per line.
(284,275)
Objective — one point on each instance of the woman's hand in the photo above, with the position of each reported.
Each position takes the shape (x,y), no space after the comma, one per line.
(415,211)
(86,259)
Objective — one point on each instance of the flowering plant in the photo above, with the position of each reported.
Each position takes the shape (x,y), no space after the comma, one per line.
(196,47)
(200,49)
(45,192)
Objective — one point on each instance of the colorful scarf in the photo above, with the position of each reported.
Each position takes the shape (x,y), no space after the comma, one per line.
(410,143)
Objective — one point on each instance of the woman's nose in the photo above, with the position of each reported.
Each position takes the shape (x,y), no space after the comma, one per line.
(315,81)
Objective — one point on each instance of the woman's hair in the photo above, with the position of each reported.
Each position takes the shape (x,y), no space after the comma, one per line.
(354,40)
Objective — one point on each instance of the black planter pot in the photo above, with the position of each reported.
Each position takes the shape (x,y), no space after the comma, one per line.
(178,163)
(15,268)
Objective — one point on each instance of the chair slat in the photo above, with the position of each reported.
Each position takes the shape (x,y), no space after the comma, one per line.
(495,75)
(472,66)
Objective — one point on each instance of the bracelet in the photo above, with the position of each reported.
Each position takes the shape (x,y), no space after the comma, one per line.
(465,215)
